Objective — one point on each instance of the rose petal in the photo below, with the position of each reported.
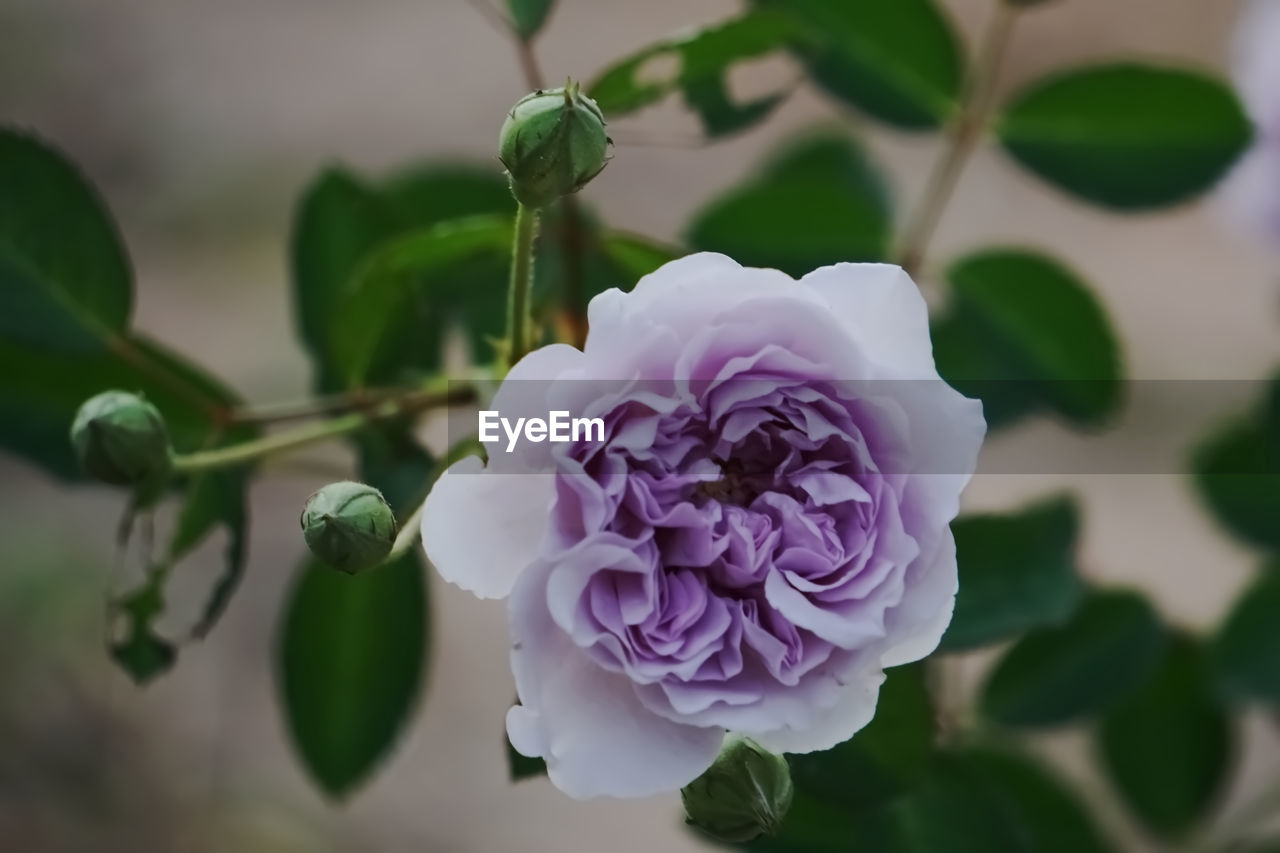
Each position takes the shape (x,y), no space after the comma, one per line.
(917,624)
(480,529)
(587,723)
(854,709)
(882,309)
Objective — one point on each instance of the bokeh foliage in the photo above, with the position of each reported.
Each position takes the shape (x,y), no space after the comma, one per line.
(384,269)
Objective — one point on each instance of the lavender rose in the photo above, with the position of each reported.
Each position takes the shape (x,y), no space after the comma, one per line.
(762,531)
(1254,188)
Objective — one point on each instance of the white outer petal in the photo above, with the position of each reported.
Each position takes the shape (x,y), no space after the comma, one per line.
(916,626)
(586,722)
(855,708)
(682,296)
(882,309)
(480,529)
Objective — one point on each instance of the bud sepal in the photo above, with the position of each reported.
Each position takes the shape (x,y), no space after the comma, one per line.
(745,793)
(121,439)
(349,526)
(552,143)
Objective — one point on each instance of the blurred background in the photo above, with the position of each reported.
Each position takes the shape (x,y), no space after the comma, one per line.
(200,122)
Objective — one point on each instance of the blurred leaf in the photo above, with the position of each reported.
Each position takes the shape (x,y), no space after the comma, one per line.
(394,463)
(1237,473)
(379,289)
(704,58)
(351,665)
(896,60)
(636,256)
(1168,747)
(528,16)
(1023,332)
(215,499)
(1017,573)
(1060,675)
(819,201)
(1246,652)
(815,826)
(881,761)
(65,280)
(338,221)
(578,259)
(974,800)
(1127,136)
(984,800)
(142,653)
(521,767)
(40,393)
(339,224)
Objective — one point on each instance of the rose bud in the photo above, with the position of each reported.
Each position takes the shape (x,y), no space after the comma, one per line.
(744,794)
(121,439)
(552,143)
(349,526)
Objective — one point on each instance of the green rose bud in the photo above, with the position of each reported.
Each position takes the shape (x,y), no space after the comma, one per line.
(349,526)
(121,439)
(552,143)
(745,794)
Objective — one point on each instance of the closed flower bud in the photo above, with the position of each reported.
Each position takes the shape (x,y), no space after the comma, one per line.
(553,142)
(349,526)
(121,439)
(745,794)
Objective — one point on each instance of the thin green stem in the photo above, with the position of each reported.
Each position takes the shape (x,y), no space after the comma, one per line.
(963,135)
(333,404)
(518,322)
(408,535)
(241,454)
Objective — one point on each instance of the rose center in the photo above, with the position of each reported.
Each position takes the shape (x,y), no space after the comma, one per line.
(736,485)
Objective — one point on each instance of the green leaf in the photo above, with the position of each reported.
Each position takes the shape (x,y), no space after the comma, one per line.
(817,202)
(215,499)
(1023,333)
(338,221)
(1127,136)
(704,58)
(1237,474)
(983,799)
(351,661)
(974,800)
(636,256)
(883,760)
(1246,651)
(394,463)
(40,392)
(381,287)
(65,280)
(343,220)
(1061,675)
(896,60)
(143,654)
(528,16)
(1169,747)
(1017,573)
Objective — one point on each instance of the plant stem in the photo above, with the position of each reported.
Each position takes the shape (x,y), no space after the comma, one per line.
(962,137)
(408,535)
(334,404)
(240,454)
(521,283)
(573,313)
(529,63)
